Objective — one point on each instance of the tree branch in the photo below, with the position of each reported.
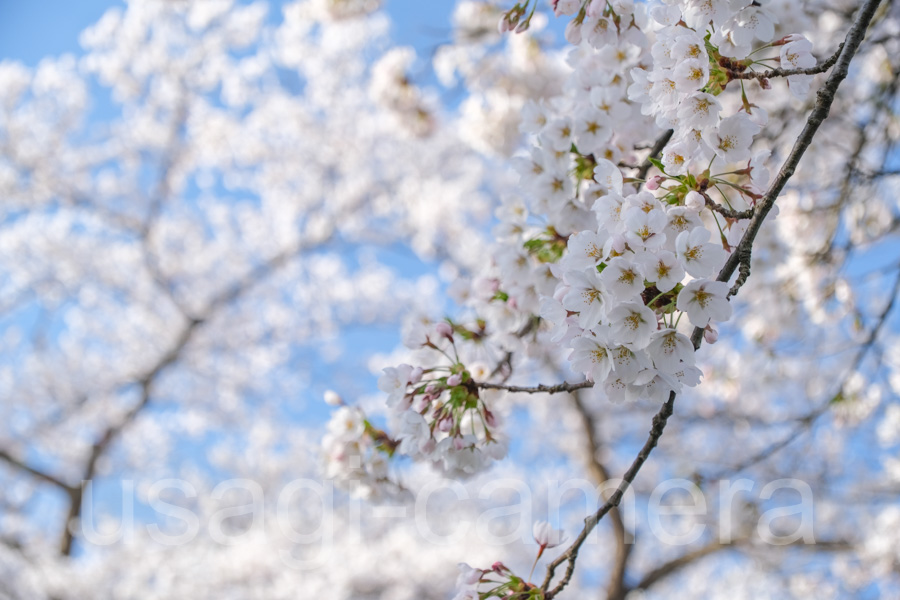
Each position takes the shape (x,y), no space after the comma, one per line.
(825,98)
(768,74)
(657,149)
(616,588)
(537,389)
(21,465)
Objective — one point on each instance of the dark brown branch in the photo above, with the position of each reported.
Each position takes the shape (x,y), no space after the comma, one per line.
(676,564)
(571,553)
(824,100)
(768,74)
(616,588)
(21,465)
(657,149)
(537,389)
(728,213)
(147,380)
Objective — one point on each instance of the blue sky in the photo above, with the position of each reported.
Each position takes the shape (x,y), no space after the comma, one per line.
(32,29)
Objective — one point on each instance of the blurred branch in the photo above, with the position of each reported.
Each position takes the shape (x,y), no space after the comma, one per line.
(616,588)
(806,421)
(146,381)
(21,465)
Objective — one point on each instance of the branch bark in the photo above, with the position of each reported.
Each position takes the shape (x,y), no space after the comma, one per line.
(825,98)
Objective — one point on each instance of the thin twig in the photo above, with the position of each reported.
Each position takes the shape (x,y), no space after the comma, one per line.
(825,98)
(728,213)
(768,74)
(654,153)
(536,389)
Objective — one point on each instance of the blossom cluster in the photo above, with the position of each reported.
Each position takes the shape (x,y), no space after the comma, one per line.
(608,253)
(441,415)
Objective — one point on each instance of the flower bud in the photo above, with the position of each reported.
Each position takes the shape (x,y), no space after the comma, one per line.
(694,201)
(333,398)
(443,328)
(654,182)
(454,380)
(710,334)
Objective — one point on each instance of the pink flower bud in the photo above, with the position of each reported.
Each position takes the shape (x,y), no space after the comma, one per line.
(654,182)
(489,418)
(710,334)
(503,25)
(443,328)
(454,380)
(445,424)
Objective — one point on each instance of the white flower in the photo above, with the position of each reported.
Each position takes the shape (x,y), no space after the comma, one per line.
(394,382)
(608,174)
(699,111)
(623,277)
(754,22)
(668,349)
(585,249)
(414,433)
(534,117)
(703,300)
(554,187)
(587,296)
(546,536)
(662,384)
(694,201)
(733,138)
(347,424)
(698,14)
(468,576)
(627,363)
(796,54)
(632,323)
(645,229)
(690,75)
(609,211)
(558,135)
(460,456)
(600,31)
(552,311)
(676,158)
(592,130)
(661,268)
(566,7)
(681,219)
(699,258)
(592,357)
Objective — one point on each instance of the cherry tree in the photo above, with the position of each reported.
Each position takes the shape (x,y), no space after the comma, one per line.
(179,277)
